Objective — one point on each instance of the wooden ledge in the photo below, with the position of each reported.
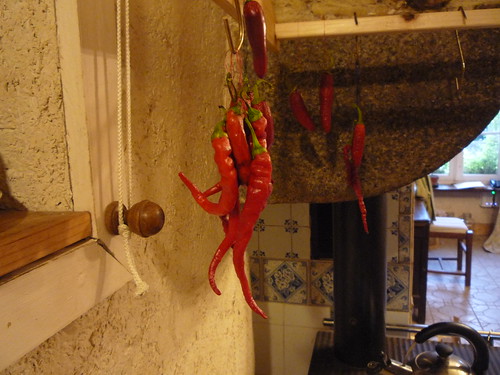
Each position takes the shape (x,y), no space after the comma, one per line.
(27,236)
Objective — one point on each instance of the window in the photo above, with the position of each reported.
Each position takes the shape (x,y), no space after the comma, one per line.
(479,161)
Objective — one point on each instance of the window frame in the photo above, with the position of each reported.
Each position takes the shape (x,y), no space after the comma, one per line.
(456,165)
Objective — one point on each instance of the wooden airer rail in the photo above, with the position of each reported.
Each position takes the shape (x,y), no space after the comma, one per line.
(451,20)
(27,236)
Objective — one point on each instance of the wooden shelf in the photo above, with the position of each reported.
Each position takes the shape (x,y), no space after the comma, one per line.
(428,21)
(28,236)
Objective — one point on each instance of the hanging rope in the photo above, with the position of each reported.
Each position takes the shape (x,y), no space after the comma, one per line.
(123,229)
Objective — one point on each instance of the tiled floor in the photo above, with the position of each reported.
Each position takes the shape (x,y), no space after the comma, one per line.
(447,296)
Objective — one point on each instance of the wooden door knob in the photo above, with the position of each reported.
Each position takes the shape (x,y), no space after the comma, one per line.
(145,218)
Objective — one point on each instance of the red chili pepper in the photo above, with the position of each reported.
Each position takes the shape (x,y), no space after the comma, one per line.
(355,183)
(256,30)
(231,230)
(228,183)
(258,191)
(358,140)
(258,122)
(353,155)
(326,101)
(261,105)
(299,110)
(241,152)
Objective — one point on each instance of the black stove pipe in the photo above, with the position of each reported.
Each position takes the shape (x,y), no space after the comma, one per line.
(360,267)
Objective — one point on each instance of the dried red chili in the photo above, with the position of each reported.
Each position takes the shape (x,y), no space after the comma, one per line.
(263,106)
(237,137)
(326,93)
(256,31)
(258,191)
(299,110)
(228,183)
(258,122)
(231,228)
(353,155)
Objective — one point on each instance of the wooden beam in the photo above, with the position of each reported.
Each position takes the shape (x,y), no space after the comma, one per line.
(481,18)
(228,7)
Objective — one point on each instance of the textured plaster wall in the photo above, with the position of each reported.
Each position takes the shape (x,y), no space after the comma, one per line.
(309,10)
(33,161)
(179,326)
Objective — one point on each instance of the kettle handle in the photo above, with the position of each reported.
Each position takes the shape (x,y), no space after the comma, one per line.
(481,353)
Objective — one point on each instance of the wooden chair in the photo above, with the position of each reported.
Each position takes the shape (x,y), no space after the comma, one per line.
(454,227)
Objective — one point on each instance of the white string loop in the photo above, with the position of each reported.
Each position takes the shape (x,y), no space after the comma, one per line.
(123,229)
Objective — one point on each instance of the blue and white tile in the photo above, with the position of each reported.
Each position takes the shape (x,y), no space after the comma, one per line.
(321,288)
(301,243)
(256,277)
(275,242)
(405,237)
(269,348)
(276,214)
(398,291)
(253,247)
(392,245)
(298,346)
(306,316)
(300,213)
(285,281)
(406,196)
(391,212)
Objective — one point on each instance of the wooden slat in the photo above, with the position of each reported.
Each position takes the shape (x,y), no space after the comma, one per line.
(54,292)
(228,7)
(481,18)
(27,236)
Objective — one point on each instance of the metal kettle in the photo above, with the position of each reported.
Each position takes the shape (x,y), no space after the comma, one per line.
(442,361)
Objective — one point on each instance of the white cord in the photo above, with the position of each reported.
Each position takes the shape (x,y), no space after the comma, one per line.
(123,229)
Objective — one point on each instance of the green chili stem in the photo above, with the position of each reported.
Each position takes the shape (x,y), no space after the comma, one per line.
(360,116)
(219,130)
(257,148)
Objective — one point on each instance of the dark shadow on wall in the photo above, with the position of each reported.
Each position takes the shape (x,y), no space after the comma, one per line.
(7,201)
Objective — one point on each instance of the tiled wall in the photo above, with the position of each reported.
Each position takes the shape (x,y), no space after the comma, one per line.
(297,292)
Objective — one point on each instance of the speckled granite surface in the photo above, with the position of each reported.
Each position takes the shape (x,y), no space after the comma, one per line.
(416,119)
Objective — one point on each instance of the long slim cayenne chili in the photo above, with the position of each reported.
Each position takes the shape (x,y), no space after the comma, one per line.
(231,228)
(258,191)
(353,156)
(299,110)
(263,106)
(358,140)
(256,31)
(326,101)
(258,122)
(228,182)
(355,183)
(237,137)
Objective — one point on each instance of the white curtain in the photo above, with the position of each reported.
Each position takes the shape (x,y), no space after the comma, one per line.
(492,244)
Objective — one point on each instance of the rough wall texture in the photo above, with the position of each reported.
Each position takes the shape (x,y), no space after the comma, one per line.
(33,159)
(310,10)
(179,326)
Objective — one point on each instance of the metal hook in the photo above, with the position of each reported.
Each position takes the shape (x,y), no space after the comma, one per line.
(461,59)
(464,15)
(241,28)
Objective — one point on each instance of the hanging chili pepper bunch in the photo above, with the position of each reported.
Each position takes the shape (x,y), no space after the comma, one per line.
(353,156)
(240,142)
(326,96)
